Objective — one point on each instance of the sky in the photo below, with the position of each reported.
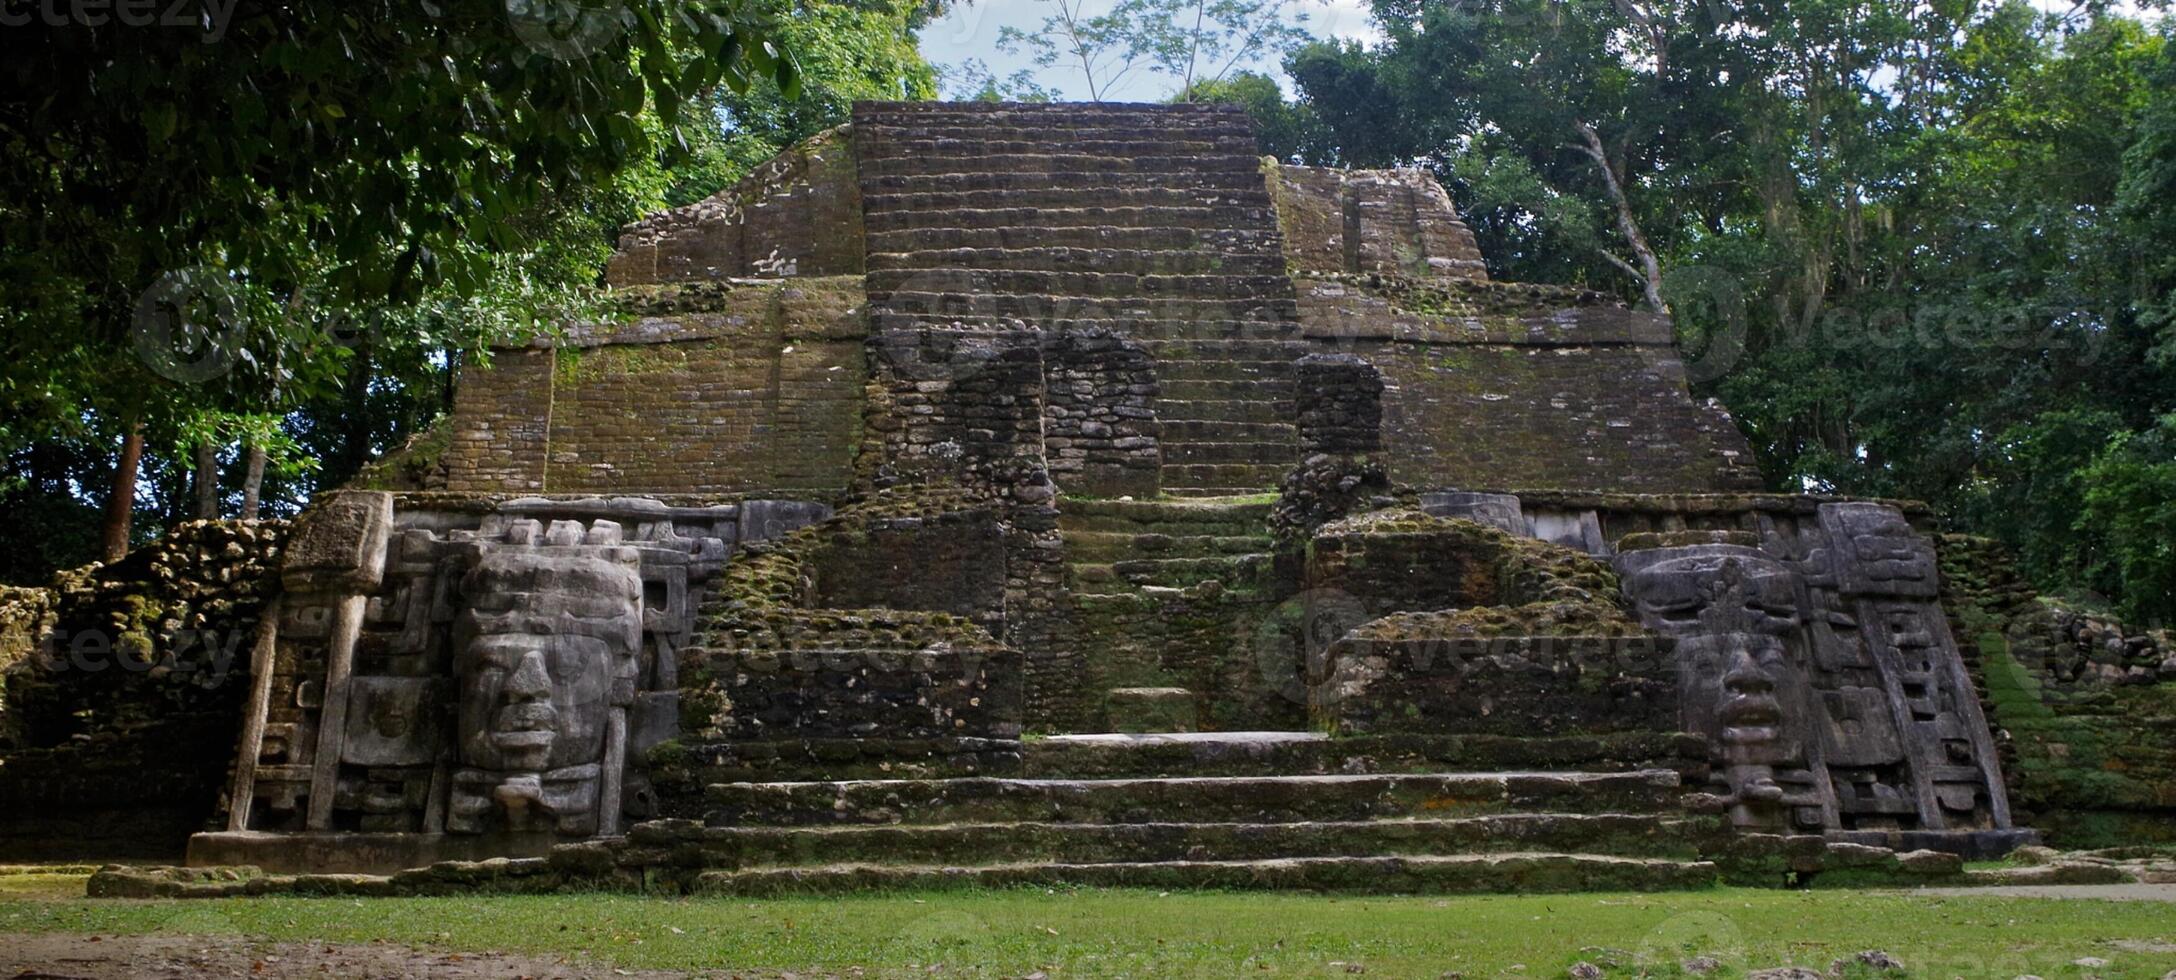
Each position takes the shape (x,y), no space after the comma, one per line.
(971,29)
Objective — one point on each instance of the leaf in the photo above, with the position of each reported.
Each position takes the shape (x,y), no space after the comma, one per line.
(159,122)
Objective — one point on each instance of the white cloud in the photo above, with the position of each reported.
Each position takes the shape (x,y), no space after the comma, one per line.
(1351,19)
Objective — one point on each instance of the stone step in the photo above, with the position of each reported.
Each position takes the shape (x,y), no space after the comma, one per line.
(894,142)
(894,125)
(1224,137)
(1235,571)
(1145,331)
(1021,117)
(1459,874)
(1207,799)
(1229,535)
(1103,186)
(1252,513)
(1106,756)
(1117,285)
(1059,159)
(1203,430)
(1084,547)
(1223,479)
(1181,410)
(1071,259)
(1237,348)
(1184,492)
(1212,369)
(1277,313)
(1265,453)
(1125,527)
(1220,390)
(1174,113)
(979,210)
(681,844)
(1242,241)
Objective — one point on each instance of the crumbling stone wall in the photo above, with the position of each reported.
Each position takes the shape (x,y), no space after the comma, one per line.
(1340,405)
(2085,706)
(789,674)
(955,406)
(797,215)
(1099,415)
(121,711)
(1398,222)
(731,387)
(1436,625)
(26,616)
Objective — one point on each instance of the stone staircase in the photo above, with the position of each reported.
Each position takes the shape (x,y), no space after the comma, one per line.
(1151,585)
(1126,811)
(1119,547)
(1153,222)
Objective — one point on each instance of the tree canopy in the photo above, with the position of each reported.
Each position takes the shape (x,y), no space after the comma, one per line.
(260,242)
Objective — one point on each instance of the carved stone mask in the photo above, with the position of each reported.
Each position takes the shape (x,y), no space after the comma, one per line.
(1732,612)
(548,645)
(1881,553)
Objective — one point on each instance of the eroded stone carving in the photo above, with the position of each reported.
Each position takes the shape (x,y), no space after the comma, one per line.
(495,678)
(546,667)
(1734,614)
(1823,656)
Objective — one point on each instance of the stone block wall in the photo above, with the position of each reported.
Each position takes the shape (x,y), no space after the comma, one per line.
(1385,563)
(734,387)
(798,215)
(1511,686)
(499,437)
(1500,386)
(950,562)
(912,695)
(1425,624)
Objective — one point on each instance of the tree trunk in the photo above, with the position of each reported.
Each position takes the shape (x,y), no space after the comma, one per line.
(252,480)
(355,399)
(121,502)
(1650,266)
(207,481)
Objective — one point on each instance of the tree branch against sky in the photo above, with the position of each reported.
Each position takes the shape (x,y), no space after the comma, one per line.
(1100,50)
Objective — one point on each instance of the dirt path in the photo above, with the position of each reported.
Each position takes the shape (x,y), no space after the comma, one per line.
(2112,893)
(61,956)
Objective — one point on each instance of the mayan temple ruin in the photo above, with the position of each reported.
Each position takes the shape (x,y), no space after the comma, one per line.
(1055,493)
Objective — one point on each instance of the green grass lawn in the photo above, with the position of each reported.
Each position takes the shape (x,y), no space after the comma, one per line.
(1146,934)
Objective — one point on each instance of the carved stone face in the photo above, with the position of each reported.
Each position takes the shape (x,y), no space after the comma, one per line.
(531,702)
(1745,670)
(549,638)
(1732,612)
